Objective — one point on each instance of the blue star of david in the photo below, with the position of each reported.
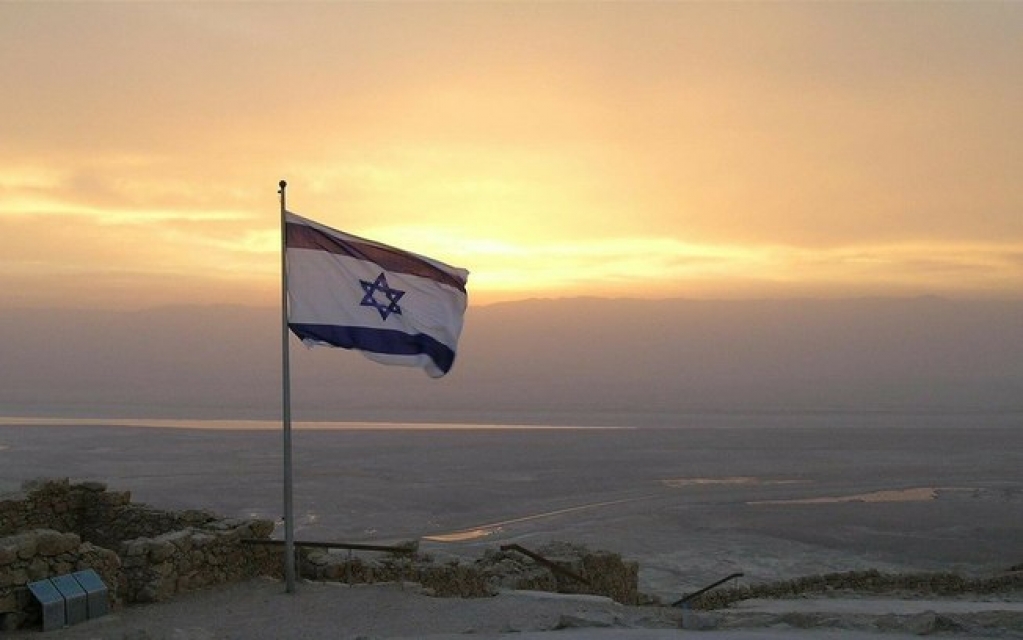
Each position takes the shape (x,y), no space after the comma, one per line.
(392,297)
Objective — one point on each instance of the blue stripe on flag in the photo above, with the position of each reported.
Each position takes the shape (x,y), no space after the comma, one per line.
(300,236)
(383,341)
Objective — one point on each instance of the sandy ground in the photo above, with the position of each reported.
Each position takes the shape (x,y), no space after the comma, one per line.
(260,609)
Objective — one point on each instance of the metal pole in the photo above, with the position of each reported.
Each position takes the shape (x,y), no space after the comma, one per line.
(289,521)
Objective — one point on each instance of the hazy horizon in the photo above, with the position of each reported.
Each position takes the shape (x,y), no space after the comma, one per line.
(567,361)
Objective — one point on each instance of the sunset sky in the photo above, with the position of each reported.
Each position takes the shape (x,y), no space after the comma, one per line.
(711,150)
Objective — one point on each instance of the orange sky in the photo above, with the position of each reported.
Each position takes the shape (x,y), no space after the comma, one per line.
(627,149)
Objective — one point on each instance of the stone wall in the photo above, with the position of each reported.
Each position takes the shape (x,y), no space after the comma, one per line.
(606,573)
(102,517)
(42,553)
(154,569)
(872,582)
(54,527)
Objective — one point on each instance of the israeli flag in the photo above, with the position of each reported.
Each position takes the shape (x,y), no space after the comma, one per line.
(393,306)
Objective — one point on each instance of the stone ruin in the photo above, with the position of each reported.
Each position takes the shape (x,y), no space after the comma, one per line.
(143,554)
(603,573)
(871,581)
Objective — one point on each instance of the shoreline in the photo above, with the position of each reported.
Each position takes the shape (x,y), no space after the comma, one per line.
(810,418)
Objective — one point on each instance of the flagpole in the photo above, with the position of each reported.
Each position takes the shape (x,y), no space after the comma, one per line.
(289,521)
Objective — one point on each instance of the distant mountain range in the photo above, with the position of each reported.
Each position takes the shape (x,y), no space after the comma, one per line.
(562,361)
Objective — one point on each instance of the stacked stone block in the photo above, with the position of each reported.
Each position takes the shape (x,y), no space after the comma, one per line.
(41,553)
(155,569)
(54,527)
(939,584)
(606,573)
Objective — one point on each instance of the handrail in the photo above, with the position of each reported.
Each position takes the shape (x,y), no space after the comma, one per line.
(553,566)
(704,590)
(409,548)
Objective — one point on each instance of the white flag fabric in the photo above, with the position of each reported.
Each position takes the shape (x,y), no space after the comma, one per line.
(393,306)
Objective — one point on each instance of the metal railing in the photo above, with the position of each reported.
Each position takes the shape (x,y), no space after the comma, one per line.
(692,596)
(402,549)
(550,564)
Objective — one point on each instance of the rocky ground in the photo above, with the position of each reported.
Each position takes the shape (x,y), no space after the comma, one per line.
(260,609)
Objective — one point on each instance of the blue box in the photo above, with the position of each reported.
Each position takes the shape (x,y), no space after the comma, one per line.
(75,605)
(52,602)
(97,597)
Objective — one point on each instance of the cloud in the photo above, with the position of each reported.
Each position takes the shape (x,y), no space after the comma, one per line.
(648,149)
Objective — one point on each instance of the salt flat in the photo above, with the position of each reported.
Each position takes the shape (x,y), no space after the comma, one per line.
(771,497)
